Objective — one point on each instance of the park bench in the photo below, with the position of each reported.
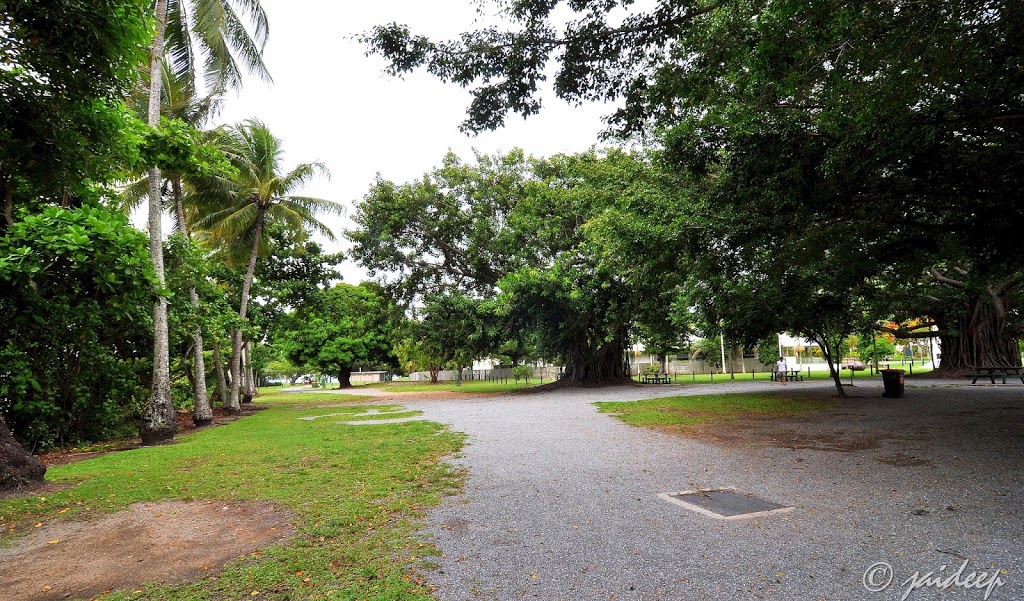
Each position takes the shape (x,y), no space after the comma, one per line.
(792,375)
(657,379)
(1004,370)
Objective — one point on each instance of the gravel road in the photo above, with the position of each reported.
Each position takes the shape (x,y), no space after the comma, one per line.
(561,501)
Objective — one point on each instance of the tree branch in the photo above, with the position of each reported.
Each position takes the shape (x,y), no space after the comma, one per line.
(942,279)
(904,333)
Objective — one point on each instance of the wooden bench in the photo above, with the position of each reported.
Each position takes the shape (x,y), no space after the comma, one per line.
(1004,370)
(657,379)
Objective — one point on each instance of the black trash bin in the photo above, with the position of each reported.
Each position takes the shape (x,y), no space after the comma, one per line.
(892,379)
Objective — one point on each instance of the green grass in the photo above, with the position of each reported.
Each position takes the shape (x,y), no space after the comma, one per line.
(466,387)
(682,411)
(358,492)
(687,378)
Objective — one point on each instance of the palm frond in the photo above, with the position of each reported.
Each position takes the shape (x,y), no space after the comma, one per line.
(298,212)
(302,175)
(132,195)
(179,52)
(227,210)
(248,47)
(229,222)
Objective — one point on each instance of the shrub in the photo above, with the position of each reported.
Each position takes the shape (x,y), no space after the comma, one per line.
(522,372)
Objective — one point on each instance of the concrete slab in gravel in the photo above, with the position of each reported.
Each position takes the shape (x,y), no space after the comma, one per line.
(561,501)
(724,504)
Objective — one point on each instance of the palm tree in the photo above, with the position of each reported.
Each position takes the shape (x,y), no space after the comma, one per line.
(211,31)
(158,421)
(180,100)
(235,213)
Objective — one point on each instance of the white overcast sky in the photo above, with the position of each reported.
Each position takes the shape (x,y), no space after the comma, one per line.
(331,103)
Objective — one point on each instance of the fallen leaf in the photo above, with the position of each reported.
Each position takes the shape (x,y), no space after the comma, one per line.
(53,542)
(37,525)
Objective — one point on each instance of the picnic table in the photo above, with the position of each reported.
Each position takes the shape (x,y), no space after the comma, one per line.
(656,379)
(792,375)
(1004,370)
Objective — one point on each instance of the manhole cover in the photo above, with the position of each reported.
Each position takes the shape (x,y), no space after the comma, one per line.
(724,504)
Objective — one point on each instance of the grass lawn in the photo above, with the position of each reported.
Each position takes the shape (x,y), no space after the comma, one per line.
(467,386)
(683,411)
(684,378)
(359,493)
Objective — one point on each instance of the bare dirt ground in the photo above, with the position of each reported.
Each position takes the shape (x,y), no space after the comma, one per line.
(167,542)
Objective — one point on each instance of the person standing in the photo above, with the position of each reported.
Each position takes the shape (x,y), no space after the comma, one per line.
(781,368)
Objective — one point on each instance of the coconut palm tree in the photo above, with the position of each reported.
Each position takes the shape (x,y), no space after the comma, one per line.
(235,213)
(180,100)
(158,421)
(212,32)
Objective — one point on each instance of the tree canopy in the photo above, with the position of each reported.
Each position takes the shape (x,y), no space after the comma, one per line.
(574,249)
(343,326)
(67,70)
(890,132)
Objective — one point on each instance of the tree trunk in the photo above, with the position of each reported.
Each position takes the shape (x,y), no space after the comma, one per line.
(234,406)
(8,203)
(222,382)
(158,420)
(202,415)
(18,467)
(344,377)
(248,389)
(433,373)
(607,365)
(979,337)
(828,349)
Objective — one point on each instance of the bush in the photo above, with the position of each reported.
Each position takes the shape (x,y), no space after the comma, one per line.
(866,348)
(76,291)
(522,372)
(707,350)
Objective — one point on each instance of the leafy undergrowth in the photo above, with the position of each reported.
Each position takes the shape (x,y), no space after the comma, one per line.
(682,411)
(359,493)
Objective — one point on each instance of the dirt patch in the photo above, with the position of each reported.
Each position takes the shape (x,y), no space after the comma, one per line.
(166,542)
(779,431)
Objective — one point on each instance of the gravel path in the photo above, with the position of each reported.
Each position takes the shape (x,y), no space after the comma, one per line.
(561,501)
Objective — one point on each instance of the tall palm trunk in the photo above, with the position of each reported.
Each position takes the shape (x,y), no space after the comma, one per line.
(248,373)
(234,404)
(158,420)
(202,415)
(222,381)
